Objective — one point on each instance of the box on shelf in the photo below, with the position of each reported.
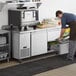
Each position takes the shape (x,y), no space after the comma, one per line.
(2,40)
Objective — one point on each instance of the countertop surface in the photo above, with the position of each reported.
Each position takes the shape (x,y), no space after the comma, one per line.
(40,29)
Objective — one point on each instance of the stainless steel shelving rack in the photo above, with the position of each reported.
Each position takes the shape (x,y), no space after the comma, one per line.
(5,47)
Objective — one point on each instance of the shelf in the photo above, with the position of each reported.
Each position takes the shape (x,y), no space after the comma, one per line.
(3,31)
(51,51)
(25,9)
(1,45)
(25,3)
(3,59)
(5,47)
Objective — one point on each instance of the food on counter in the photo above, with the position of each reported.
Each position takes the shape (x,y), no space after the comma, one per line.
(53,21)
(46,23)
(45,26)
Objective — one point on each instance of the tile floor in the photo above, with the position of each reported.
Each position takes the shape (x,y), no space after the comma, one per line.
(8,64)
(14,62)
(69,70)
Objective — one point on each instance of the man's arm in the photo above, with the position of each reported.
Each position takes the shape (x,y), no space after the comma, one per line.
(62,32)
(63,22)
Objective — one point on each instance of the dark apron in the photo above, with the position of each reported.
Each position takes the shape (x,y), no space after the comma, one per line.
(72,26)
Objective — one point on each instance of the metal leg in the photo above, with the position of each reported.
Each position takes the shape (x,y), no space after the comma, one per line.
(19,60)
(7,59)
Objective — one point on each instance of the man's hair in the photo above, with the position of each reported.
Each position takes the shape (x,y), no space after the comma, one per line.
(58,12)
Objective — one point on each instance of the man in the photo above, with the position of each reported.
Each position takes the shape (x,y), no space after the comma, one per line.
(68,19)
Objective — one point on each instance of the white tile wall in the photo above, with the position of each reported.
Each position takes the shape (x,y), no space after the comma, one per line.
(3,18)
(47,9)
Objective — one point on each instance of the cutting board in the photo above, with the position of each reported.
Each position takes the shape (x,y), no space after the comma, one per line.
(46,26)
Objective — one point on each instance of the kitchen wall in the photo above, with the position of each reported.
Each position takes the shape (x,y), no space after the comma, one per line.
(47,9)
(4,14)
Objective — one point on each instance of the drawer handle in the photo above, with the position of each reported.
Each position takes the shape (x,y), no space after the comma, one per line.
(24,47)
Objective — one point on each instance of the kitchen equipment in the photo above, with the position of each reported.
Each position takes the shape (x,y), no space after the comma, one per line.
(3,55)
(38,42)
(3,37)
(22,18)
(21,45)
(36,0)
(61,47)
(24,0)
(5,49)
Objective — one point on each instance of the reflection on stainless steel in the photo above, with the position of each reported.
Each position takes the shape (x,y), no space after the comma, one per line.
(29,26)
(30,23)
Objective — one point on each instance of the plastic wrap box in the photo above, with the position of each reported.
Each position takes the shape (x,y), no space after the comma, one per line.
(2,40)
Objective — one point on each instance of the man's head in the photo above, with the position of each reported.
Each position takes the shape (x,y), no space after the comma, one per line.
(59,14)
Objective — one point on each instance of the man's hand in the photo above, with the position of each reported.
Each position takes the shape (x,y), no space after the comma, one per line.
(59,39)
(61,35)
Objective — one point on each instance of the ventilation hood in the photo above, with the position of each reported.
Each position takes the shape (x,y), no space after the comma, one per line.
(2,4)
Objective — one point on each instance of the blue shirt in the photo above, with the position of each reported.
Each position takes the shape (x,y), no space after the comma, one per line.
(67,18)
